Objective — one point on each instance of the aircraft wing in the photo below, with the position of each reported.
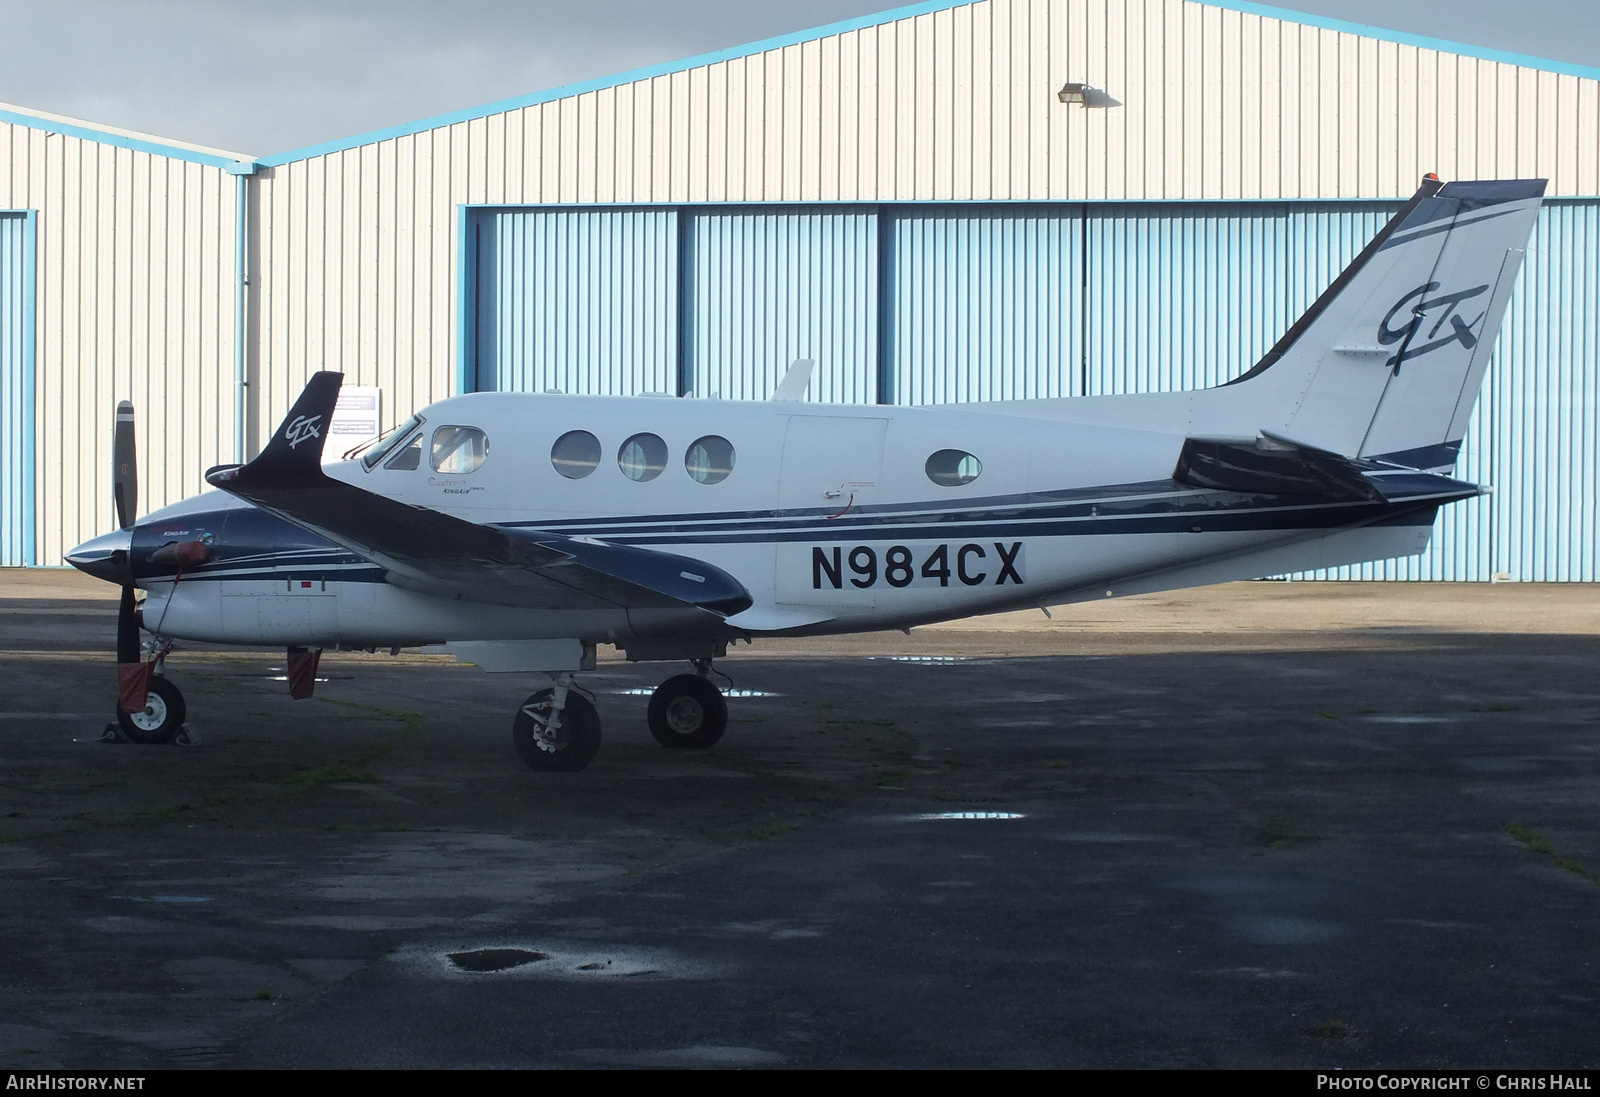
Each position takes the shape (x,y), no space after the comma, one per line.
(436,553)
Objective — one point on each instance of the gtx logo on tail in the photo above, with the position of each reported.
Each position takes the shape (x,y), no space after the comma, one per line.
(1446,319)
(301,428)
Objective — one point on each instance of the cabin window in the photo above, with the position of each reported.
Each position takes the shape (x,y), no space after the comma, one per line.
(458,450)
(710,459)
(642,457)
(950,468)
(576,454)
(380,449)
(408,458)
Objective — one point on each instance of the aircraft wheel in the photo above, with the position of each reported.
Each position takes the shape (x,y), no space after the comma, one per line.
(574,744)
(687,711)
(164,713)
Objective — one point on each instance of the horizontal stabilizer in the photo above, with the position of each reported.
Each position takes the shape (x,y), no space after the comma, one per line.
(1273,465)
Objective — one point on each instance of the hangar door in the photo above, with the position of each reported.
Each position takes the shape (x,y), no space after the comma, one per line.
(16,390)
(776,284)
(714,302)
(986,304)
(576,300)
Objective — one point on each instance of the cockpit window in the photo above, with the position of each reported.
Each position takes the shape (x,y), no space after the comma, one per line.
(458,450)
(380,449)
(576,454)
(710,459)
(642,457)
(950,468)
(408,457)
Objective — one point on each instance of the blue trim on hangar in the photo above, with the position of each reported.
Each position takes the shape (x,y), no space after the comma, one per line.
(18,365)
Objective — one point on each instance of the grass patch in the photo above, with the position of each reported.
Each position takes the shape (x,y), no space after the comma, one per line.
(336,773)
(344,772)
(1330,1030)
(774,828)
(410,722)
(1542,846)
(1277,833)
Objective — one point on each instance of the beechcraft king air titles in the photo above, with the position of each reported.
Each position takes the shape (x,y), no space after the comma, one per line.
(520,531)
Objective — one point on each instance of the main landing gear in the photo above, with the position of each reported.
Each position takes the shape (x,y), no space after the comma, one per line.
(558,729)
(687,711)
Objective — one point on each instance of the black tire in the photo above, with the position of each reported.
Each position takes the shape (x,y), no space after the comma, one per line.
(577,743)
(688,712)
(164,713)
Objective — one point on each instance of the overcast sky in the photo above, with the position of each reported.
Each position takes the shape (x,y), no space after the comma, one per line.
(262,78)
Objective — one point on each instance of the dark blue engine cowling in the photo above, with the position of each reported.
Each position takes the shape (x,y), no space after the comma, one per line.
(245,543)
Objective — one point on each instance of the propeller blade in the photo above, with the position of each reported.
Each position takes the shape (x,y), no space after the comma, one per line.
(133,676)
(127,629)
(125,467)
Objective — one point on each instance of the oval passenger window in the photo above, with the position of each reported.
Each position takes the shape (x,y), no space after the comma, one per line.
(642,457)
(576,454)
(710,459)
(457,451)
(950,468)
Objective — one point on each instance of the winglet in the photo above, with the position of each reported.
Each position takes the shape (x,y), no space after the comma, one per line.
(294,454)
(796,381)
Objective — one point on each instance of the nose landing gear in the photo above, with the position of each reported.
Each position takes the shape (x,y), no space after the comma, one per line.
(163,714)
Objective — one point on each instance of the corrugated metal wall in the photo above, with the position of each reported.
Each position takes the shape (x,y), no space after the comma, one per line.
(16,390)
(135,300)
(1546,421)
(577,301)
(1185,296)
(986,305)
(771,286)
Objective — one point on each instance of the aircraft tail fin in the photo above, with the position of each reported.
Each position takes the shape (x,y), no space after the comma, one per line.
(294,452)
(1387,362)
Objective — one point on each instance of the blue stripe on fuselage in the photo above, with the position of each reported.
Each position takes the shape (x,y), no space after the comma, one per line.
(250,544)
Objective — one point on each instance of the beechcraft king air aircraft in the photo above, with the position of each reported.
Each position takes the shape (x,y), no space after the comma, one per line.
(520,531)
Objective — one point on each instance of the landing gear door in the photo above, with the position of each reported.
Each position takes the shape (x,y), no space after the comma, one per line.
(832,466)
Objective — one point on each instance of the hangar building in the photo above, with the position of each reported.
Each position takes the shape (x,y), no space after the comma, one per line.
(901,197)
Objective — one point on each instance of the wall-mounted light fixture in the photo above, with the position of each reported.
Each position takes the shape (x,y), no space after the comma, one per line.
(1084,95)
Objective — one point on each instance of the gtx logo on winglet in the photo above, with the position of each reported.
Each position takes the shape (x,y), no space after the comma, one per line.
(1444,307)
(300,429)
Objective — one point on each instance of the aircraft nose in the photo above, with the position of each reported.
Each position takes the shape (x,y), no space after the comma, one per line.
(107,557)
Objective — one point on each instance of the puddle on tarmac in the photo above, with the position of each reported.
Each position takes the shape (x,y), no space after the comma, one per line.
(495,959)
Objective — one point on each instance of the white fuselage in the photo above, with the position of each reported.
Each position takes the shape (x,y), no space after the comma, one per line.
(829,517)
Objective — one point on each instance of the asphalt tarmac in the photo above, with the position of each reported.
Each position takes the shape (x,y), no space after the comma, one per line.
(1263,825)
